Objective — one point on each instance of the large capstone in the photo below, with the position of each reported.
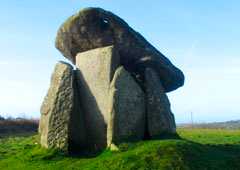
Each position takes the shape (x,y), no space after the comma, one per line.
(94,27)
(96,70)
(61,124)
(127,109)
(160,120)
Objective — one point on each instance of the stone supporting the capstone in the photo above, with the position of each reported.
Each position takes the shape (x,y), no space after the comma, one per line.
(127,109)
(160,119)
(61,124)
(95,72)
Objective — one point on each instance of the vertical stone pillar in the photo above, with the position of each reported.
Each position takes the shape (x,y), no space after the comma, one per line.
(95,71)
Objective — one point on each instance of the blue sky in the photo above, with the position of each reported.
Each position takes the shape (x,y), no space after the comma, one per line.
(200,37)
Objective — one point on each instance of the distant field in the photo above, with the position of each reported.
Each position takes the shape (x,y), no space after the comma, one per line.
(234,124)
(16,127)
(198,149)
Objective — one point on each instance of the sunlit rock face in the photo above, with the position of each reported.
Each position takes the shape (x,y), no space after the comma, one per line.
(126,109)
(95,70)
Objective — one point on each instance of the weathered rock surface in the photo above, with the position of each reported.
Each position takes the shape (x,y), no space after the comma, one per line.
(118,91)
(94,27)
(96,70)
(127,109)
(61,124)
(160,119)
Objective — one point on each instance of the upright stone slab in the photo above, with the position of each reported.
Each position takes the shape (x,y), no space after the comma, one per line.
(160,119)
(96,70)
(58,111)
(127,109)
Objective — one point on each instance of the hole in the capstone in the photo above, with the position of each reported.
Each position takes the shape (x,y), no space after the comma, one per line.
(105,21)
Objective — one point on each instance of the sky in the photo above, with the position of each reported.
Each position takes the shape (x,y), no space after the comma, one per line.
(202,38)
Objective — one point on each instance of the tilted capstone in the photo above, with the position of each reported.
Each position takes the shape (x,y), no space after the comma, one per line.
(93,28)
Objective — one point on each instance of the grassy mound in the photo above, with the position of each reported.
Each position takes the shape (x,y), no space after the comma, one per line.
(199,149)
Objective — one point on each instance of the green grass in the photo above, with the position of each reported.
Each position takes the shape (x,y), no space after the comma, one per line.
(198,149)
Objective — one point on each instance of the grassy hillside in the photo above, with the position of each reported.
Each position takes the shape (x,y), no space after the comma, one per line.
(198,149)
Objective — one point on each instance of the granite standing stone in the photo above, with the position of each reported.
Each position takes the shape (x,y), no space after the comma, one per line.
(96,70)
(58,111)
(127,109)
(160,119)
